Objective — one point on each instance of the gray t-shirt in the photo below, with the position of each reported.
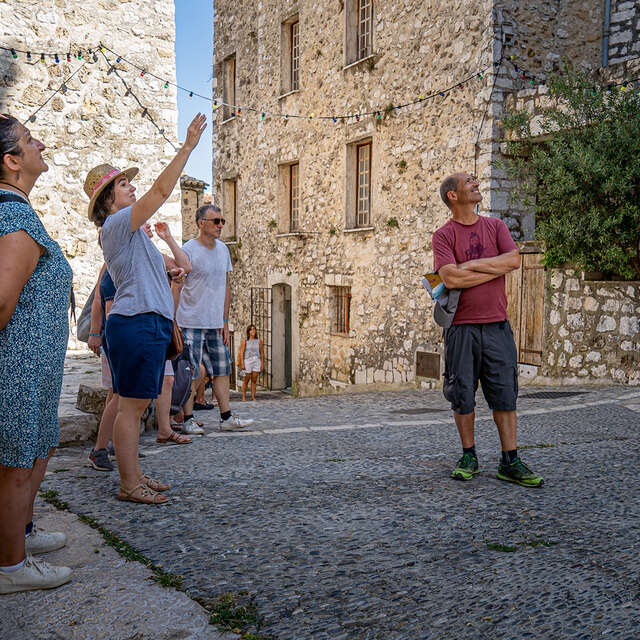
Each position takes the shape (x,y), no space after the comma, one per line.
(136,267)
(202,299)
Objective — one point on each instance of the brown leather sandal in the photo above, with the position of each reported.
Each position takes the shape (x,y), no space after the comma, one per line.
(154,485)
(144,495)
(175,438)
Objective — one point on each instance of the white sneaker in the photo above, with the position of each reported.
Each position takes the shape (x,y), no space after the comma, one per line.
(40,541)
(234,424)
(33,574)
(190,428)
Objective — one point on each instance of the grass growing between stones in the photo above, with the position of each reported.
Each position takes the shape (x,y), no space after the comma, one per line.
(229,614)
(537,542)
(224,612)
(162,577)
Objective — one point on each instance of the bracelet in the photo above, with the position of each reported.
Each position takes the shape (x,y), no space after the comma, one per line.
(226,320)
(95,335)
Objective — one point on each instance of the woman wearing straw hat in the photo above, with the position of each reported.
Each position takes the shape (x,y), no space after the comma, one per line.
(35,283)
(139,326)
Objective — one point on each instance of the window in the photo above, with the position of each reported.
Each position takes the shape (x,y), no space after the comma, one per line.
(358,31)
(290,55)
(294,197)
(341,312)
(365,24)
(363,185)
(230,209)
(229,86)
(295,55)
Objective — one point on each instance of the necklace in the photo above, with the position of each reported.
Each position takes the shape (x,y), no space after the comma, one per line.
(18,188)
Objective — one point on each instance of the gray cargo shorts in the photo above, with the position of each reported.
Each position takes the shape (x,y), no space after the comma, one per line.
(480,352)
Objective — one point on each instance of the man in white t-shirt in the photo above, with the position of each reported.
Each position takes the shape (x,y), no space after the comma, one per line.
(203,315)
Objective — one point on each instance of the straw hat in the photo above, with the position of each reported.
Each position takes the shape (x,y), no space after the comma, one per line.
(100,177)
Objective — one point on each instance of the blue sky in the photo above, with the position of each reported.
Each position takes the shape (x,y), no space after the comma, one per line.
(194,51)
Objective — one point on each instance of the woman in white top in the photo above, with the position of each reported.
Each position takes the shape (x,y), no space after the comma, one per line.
(138,329)
(251,360)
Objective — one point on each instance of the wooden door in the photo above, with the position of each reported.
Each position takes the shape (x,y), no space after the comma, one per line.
(525,300)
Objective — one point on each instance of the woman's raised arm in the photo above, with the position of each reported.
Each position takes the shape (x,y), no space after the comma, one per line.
(161,189)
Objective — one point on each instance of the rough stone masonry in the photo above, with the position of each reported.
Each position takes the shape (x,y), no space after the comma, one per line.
(92,121)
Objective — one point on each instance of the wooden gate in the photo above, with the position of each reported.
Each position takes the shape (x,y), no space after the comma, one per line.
(525,298)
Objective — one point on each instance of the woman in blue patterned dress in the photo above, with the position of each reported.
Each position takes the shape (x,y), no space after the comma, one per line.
(35,283)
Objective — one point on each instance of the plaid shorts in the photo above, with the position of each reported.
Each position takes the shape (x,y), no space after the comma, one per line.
(205,346)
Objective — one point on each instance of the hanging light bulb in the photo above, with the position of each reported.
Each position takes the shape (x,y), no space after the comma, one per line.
(142,73)
(69,56)
(335,119)
(57,59)
(262,116)
(29,56)
(79,54)
(118,59)
(166,84)
(42,57)
(14,54)
(191,96)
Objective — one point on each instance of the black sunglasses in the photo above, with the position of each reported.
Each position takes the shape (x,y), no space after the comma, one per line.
(214,220)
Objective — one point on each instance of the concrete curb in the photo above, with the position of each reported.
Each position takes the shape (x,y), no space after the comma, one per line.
(109,597)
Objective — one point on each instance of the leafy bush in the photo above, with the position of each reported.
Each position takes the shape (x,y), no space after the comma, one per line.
(578,160)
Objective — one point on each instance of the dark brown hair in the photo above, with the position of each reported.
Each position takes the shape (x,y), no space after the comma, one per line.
(102,205)
(251,326)
(9,138)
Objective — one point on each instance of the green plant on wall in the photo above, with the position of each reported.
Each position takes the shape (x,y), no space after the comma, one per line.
(273,224)
(577,162)
(393,223)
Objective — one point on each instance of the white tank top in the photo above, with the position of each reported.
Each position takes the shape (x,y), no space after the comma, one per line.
(252,350)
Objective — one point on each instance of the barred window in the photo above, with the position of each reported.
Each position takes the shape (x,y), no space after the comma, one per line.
(363,185)
(294,197)
(341,301)
(365,25)
(295,55)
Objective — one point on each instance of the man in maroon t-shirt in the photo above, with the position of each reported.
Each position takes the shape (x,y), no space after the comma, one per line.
(472,253)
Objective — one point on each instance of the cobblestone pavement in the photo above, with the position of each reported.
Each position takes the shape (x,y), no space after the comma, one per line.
(338,516)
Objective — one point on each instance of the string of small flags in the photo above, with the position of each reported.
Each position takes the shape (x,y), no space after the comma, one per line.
(91,53)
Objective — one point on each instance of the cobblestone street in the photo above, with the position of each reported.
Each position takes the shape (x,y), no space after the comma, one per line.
(337,515)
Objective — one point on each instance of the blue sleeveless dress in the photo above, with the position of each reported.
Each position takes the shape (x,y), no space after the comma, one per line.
(33,347)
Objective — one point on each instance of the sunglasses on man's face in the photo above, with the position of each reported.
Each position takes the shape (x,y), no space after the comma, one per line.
(214,220)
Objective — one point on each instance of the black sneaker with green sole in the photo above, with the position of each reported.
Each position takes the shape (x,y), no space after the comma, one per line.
(466,468)
(519,473)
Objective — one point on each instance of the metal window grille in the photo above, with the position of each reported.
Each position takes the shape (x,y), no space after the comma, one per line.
(342,309)
(365,24)
(294,197)
(295,55)
(363,185)
(261,318)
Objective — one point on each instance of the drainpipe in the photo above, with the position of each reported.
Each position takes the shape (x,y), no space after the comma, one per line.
(605,33)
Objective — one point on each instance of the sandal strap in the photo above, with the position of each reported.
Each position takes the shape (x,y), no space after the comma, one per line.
(146,492)
(153,484)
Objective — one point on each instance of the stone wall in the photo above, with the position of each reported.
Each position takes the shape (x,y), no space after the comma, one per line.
(413,150)
(93,121)
(592,329)
(192,197)
(624,32)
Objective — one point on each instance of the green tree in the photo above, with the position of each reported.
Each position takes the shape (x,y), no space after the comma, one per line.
(578,160)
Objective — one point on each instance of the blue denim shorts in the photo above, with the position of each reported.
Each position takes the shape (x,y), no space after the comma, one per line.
(137,351)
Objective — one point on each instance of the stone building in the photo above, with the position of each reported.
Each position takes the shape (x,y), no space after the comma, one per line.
(330,218)
(93,119)
(193,196)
